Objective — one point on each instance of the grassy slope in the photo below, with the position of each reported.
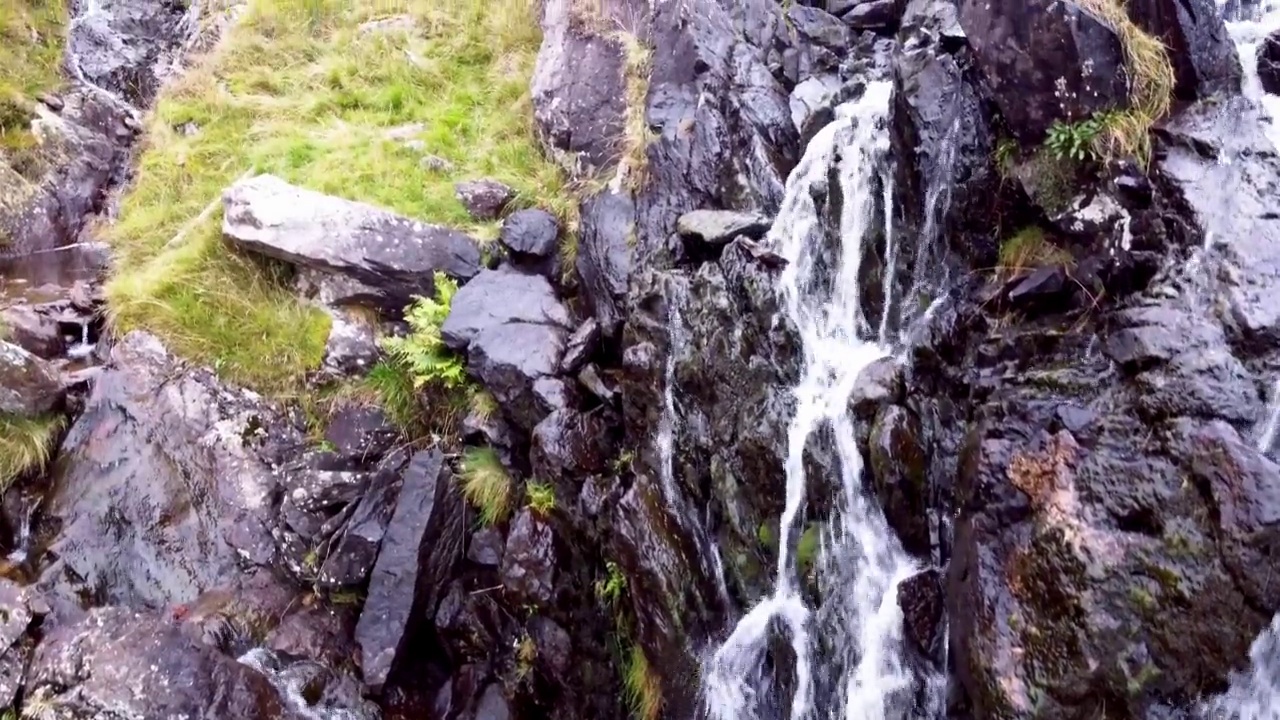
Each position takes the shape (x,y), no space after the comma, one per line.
(31,33)
(296,90)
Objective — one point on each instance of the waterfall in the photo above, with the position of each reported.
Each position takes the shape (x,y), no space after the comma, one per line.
(1255,694)
(862,673)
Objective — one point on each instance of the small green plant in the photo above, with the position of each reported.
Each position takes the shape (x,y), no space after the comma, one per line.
(423,351)
(1006,157)
(486,484)
(1074,141)
(390,383)
(623,462)
(610,588)
(808,547)
(541,497)
(526,655)
(642,687)
(483,404)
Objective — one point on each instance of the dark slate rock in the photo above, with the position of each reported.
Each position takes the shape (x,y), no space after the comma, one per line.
(1268,58)
(351,556)
(590,379)
(1204,57)
(530,233)
(719,227)
(1044,61)
(579,92)
(351,348)
(33,331)
(568,443)
(879,384)
(486,547)
(125,46)
(16,617)
(484,199)
(605,256)
(393,254)
(922,602)
(529,564)
(112,664)
(165,483)
(900,472)
(497,298)
(581,346)
(1043,285)
(320,633)
(555,647)
(28,385)
(493,704)
(875,15)
(819,27)
(514,331)
(419,549)
(360,433)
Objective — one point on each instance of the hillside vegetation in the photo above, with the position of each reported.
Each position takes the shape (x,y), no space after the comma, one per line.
(391,114)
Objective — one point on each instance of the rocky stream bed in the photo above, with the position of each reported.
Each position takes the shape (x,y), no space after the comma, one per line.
(836,457)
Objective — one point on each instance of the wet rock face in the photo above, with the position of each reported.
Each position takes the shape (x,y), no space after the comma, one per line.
(422,543)
(1268,59)
(117,663)
(1204,59)
(1044,61)
(605,257)
(28,385)
(529,563)
(579,90)
(393,256)
(16,644)
(124,46)
(164,486)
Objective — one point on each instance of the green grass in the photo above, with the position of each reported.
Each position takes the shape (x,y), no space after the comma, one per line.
(25,445)
(31,40)
(486,484)
(641,686)
(1030,248)
(298,91)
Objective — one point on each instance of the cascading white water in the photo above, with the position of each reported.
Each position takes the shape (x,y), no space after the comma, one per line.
(861,563)
(1255,694)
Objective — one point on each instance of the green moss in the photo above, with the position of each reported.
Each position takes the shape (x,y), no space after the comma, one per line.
(297,90)
(610,588)
(26,444)
(808,547)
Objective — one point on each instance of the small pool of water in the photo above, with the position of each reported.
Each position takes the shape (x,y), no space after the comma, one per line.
(49,276)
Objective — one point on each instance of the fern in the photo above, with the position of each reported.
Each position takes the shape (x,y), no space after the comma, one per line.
(423,351)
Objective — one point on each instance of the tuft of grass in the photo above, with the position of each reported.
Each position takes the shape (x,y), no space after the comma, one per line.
(637,136)
(642,687)
(26,445)
(486,484)
(526,655)
(541,497)
(1028,248)
(1151,81)
(483,404)
(296,89)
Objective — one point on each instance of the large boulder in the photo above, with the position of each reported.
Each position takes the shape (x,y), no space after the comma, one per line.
(394,256)
(1045,61)
(165,484)
(605,256)
(513,329)
(579,86)
(419,548)
(1204,58)
(120,663)
(28,385)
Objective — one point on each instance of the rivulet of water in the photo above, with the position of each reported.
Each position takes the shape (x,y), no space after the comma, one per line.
(846,656)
